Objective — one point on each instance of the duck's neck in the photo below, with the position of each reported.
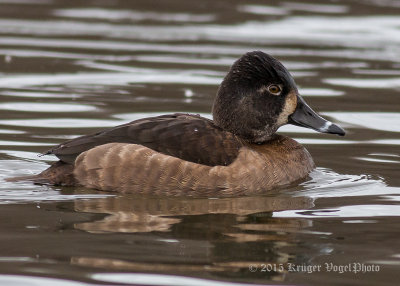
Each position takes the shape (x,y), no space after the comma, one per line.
(236,115)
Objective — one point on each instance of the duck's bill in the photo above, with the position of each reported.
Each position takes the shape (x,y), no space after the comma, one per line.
(306,117)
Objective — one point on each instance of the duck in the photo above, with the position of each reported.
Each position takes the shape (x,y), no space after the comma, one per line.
(236,153)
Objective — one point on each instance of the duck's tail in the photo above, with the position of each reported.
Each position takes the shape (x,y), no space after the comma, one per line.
(59,173)
(36,179)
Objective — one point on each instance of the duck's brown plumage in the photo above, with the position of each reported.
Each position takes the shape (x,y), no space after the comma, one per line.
(256,169)
(183,154)
(185,136)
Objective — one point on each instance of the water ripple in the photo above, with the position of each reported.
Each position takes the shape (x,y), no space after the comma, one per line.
(117,15)
(45,107)
(361,32)
(373,120)
(60,123)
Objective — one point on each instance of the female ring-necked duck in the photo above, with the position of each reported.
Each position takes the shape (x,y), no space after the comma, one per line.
(236,153)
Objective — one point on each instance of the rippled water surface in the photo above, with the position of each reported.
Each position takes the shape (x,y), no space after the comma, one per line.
(68,68)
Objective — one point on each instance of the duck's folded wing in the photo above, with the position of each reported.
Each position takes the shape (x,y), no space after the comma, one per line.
(189,137)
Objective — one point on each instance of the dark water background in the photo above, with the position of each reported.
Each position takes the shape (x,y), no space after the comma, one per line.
(72,67)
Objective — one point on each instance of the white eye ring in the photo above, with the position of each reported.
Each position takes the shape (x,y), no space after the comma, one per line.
(275,89)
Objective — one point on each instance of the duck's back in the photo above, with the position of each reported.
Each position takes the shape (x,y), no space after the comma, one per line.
(186,136)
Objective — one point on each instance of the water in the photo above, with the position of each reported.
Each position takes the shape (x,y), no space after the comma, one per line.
(70,67)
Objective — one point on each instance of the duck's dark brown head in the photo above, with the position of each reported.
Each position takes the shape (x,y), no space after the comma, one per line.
(258,95)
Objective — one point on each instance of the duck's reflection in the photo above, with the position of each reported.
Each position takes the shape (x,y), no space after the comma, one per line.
(134,214)
(182,235)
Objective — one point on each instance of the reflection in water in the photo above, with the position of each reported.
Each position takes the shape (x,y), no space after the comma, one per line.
(239,222)
(128,222)
(122,265)
(137,214)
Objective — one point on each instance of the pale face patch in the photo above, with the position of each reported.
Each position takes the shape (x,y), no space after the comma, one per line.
(288,108)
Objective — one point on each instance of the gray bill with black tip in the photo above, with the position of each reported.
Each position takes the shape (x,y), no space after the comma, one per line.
(306,117)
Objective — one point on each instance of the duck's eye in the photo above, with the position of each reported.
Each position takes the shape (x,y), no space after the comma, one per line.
(275,89)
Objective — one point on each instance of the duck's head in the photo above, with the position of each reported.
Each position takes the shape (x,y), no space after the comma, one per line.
(258,95)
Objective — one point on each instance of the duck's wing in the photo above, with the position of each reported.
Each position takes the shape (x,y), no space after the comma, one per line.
(189,137)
